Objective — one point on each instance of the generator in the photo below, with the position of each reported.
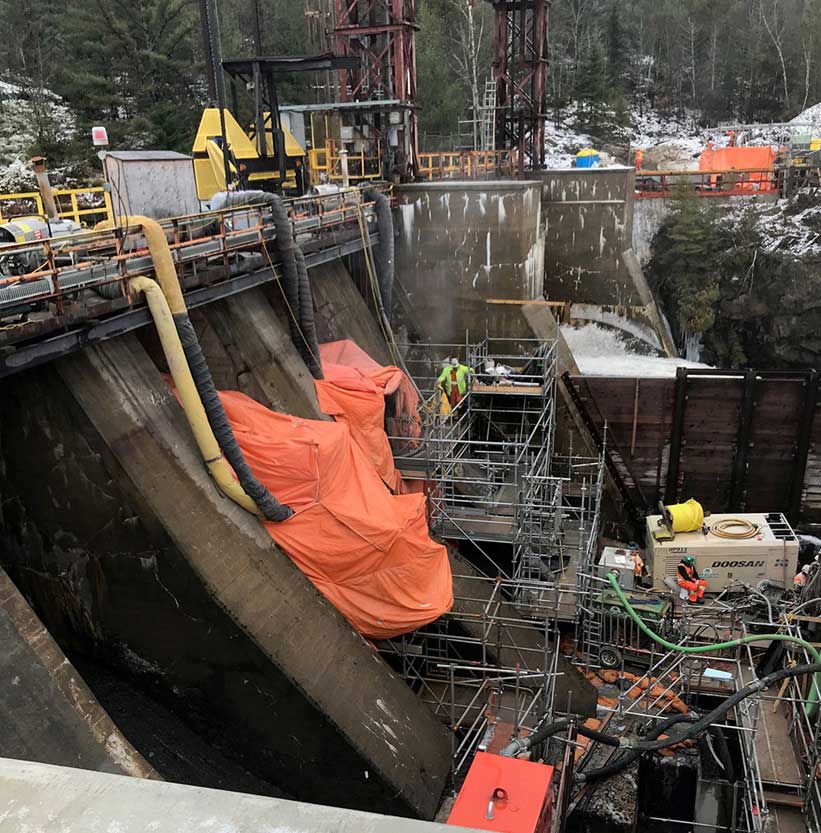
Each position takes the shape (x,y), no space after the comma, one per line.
(748,548)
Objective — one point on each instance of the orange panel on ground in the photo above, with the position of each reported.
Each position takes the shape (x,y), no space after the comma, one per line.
(520,792)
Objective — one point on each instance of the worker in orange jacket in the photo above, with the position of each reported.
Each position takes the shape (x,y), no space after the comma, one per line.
(689,580)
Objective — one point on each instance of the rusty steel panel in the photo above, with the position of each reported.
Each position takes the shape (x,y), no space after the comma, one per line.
(639,428)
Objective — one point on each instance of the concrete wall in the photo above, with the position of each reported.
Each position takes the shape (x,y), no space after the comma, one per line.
(459,244)
(588,224)
(47,712)
(112,527)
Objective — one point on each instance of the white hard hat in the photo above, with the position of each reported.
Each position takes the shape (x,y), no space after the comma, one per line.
(805,569)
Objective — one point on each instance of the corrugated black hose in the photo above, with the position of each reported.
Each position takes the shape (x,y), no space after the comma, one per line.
(384,251)
(306,317)
(268,505)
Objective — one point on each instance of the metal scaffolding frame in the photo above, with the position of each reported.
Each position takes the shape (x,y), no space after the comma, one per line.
(491,476)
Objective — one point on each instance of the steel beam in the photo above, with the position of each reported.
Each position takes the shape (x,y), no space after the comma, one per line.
(802,446)
(745,423)
(676,431)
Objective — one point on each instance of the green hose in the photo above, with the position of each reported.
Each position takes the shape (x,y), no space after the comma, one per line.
(812,705)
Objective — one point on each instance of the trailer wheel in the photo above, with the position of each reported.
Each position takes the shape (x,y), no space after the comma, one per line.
(609,657)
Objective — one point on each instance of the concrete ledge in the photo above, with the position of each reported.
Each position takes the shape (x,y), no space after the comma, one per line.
(35,795)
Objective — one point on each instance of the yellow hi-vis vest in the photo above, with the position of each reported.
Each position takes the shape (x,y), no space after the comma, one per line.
(461,379)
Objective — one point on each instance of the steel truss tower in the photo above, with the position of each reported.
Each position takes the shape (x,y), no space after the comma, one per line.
(520,69)
(381,33)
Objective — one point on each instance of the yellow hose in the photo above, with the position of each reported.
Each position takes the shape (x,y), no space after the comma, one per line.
(187,392)
(722,529)
(160,255)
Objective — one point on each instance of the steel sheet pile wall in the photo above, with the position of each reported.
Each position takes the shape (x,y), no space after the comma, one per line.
(741,441)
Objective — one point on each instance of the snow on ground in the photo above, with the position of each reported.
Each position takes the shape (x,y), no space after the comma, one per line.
(601,351)
(812,115)
(19,119)
(677,142)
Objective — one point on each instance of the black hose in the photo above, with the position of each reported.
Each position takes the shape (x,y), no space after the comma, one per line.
(699,725)
(306,317)
(290,274)
(548,731)
(384,251)
(627,758)
(723,751)
(722,709)
(269,506)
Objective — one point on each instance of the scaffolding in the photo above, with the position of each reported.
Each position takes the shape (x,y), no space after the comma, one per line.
(488,667)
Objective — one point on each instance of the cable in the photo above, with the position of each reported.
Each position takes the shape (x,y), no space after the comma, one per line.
(722,529)
(810,708)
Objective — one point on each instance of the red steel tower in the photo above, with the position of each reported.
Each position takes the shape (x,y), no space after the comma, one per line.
(520,69)
(381,34)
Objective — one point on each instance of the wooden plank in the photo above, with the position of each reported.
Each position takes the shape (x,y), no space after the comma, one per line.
(526,302)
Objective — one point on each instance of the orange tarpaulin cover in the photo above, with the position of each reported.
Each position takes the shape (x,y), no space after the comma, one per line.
(739,159)
(367,551)
(354,389)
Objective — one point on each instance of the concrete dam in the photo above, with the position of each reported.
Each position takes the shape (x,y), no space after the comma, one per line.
(157,624)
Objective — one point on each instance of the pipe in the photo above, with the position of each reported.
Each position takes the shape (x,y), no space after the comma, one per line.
(519,745)
(812,705)
(385,250)
(44,187)
(306,316)
(187,391)
(269,507)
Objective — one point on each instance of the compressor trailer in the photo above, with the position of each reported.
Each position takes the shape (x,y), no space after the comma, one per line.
(747,548)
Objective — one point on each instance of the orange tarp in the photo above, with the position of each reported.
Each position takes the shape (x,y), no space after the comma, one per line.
(367,551)
(736,160)
(354,390)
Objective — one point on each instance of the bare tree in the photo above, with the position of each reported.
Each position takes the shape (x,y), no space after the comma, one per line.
(775,24)
(468,38)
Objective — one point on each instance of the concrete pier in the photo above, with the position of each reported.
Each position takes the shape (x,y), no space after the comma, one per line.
(47,712)
(461,243)
(113,527)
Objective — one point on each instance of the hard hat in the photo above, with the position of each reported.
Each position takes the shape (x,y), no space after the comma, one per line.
(688,559)
(805,569)
(454,362)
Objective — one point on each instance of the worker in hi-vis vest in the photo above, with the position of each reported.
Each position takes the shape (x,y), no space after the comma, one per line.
(453,380)
(689,579)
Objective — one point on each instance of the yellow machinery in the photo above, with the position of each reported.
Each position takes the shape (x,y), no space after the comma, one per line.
(248,167)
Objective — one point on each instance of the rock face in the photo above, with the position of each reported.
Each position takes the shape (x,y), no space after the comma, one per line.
(755,281)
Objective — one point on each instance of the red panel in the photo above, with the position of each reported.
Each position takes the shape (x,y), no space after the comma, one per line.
(524,805)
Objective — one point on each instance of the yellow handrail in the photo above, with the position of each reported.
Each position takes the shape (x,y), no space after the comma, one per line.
(74,211)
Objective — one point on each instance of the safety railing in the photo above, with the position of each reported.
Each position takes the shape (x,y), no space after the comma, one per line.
(209,247)
(86,206)
(659,184)
(473,164)
(326,164)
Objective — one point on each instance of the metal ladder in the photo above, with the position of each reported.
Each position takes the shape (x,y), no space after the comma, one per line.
(487,132)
